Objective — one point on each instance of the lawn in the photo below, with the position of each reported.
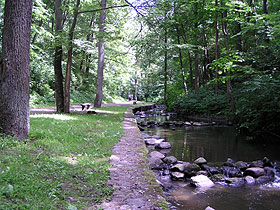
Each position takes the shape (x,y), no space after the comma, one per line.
(64,163)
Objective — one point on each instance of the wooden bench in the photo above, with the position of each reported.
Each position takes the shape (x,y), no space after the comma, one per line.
(85,106)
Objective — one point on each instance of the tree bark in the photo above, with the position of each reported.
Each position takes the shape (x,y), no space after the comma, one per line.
(217,47)
(196,69)
(165,69)
(265,6)
(59,95)
(69,60)
(99,88)
(14,71)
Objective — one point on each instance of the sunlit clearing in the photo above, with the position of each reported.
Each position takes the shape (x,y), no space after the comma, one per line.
(70,160)
(54,116)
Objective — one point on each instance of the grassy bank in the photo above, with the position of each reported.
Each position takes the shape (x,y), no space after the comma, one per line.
(64,163)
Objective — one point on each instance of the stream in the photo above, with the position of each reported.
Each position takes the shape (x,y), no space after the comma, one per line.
(216,144)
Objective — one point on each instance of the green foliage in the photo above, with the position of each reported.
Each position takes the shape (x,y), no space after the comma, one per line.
(204,102)
(64,163)
(258,106)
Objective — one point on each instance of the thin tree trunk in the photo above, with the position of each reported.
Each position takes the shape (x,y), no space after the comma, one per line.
(36,34)
(99,88)
(229,87)
(265,6)
(196,70)
(14,71)
(191,70)
(69,60)
(217,47)
(181,62)
(165,69)
(59,95)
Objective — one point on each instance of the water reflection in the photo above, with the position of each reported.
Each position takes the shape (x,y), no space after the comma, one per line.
(214,143)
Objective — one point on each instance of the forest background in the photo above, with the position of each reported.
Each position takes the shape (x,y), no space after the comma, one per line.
(199,57)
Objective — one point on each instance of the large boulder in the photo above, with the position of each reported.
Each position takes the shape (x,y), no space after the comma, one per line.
(200,161)
(249,180)
(257,164)
(157,163)
(254,172)
(163,145)
(211,170)
(170,160)
(201,181)
(191,169)
(178,167)
(263,179)
(242,165)
(156,154)
(177,175)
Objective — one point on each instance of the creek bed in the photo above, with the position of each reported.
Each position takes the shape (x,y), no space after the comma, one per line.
(216,144)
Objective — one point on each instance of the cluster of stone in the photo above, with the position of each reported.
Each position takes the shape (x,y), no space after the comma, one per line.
(202,175)
(172,124)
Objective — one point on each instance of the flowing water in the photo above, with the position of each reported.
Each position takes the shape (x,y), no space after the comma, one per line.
(216,144)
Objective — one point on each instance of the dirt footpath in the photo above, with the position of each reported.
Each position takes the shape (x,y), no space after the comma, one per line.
(135,186)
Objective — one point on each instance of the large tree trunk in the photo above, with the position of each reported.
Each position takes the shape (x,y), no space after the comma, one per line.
(59,96)
(15,72)
(69,60)
(229,87)
(99,88)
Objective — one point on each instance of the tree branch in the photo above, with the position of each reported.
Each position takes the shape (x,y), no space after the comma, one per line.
(112,7)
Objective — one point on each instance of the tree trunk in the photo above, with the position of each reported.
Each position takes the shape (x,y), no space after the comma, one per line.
(181,62)
(229,87)
(191,71)
(265,6)
(59,96)
(217,47)
(165,69)
(99,88)
(14,71)
(36,34)
(69,60)
(196,69)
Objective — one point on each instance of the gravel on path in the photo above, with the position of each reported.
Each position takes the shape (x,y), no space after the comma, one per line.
(134,183)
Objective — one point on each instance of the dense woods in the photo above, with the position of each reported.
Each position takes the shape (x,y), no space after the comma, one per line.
(203,57)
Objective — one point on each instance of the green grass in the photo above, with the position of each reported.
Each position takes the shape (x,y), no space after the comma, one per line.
(63,164)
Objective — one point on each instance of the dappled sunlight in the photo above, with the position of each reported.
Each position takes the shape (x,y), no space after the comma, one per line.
(54,116)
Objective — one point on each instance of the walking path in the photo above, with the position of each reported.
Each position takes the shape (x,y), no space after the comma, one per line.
(135,186)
